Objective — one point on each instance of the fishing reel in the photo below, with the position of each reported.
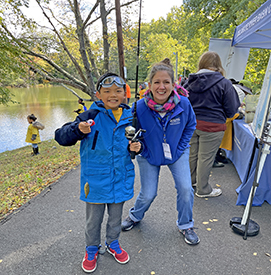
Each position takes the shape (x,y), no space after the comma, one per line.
(131,134)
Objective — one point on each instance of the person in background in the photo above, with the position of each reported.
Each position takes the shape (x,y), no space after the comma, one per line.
(107,172)
(128,93)
(180,79)
(169,121)
(226,143)
(184,79)
(81,107)
(33,135)
(213,99)
(142,90)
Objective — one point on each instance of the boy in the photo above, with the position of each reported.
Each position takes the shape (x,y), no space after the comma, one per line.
(107,172)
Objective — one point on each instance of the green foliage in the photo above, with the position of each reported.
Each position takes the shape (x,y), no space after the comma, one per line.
(213,16)
(11,68)
(5,96)
(256,68)
(185,30)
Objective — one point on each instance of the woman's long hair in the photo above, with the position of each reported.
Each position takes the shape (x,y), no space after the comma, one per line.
(211,60)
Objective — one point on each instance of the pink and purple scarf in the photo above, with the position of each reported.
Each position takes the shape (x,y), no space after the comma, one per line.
(173,100)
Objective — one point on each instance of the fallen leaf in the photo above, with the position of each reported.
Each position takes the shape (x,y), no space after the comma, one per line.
(267,254)
(67,210)
(139,250)
(209,229)
(72,210)
(255,254)
(206,199)
(210,220)
(205,222)
(215,220)
(152,273)
(1,261)
(70,230)
(218,185)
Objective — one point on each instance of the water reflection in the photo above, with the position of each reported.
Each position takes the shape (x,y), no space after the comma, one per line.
(53,106)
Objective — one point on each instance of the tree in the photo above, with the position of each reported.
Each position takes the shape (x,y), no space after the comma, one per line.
(11,65)
(191,47)
(73,20)
(218,19)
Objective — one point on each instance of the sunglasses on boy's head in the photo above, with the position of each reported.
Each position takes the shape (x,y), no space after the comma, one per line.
(110,80)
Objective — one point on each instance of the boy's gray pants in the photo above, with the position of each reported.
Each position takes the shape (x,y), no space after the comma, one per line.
(94,219)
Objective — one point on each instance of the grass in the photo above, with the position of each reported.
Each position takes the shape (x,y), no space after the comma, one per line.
(23,176)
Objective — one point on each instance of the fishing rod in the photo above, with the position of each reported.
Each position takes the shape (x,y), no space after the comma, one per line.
(130,132)
(137,65)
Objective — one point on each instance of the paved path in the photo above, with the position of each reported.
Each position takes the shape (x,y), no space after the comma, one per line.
(47,235)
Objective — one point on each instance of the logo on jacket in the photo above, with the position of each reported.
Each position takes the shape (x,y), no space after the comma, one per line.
(175,121)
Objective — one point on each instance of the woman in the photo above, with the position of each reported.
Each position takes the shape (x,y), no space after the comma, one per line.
(213,99)
(169,121)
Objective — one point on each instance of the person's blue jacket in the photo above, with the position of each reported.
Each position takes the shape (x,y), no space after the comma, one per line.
(176,129)
(107,172)
(212,96)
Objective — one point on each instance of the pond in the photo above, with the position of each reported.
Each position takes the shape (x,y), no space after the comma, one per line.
(53,106)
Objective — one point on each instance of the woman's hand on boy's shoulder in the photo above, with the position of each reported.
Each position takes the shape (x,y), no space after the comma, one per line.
(84,127)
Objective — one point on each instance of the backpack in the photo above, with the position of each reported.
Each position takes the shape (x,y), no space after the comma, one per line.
(38,125)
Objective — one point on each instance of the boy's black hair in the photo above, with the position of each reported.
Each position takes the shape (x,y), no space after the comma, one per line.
(105,76)
(32,116)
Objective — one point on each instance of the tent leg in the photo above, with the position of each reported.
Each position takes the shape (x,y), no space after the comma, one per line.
(247,227)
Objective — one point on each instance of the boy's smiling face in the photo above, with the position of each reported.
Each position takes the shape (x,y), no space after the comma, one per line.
(112,96)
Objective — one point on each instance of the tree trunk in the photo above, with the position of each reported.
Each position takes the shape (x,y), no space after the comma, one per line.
(120,39)
(105,36)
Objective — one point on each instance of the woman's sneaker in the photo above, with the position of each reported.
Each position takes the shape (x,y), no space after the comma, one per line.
(89,263)
(128,224)
(190,236)
(215,193)
(120,255)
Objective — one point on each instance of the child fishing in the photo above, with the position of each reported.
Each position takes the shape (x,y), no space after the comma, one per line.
(33,135)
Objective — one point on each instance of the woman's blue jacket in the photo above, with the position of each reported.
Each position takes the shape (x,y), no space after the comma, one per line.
(107,172)
(175,128)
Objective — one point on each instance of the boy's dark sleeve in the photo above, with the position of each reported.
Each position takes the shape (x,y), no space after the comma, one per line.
(69,133)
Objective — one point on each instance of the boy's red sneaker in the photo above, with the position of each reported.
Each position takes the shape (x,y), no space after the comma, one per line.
(89,263)
(120,255)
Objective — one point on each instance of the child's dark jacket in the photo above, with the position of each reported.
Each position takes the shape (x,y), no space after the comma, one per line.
(107,172)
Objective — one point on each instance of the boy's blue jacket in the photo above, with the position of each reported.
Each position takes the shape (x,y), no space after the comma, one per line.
(176,129)
(107,172)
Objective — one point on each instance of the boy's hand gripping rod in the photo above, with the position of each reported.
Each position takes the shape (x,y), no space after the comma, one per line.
(131,135)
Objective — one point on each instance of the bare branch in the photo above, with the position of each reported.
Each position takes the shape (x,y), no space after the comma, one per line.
(60,23)
(63,44)
(84,46)
(85,99)
(91,12)
(109,11)
(54,65)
